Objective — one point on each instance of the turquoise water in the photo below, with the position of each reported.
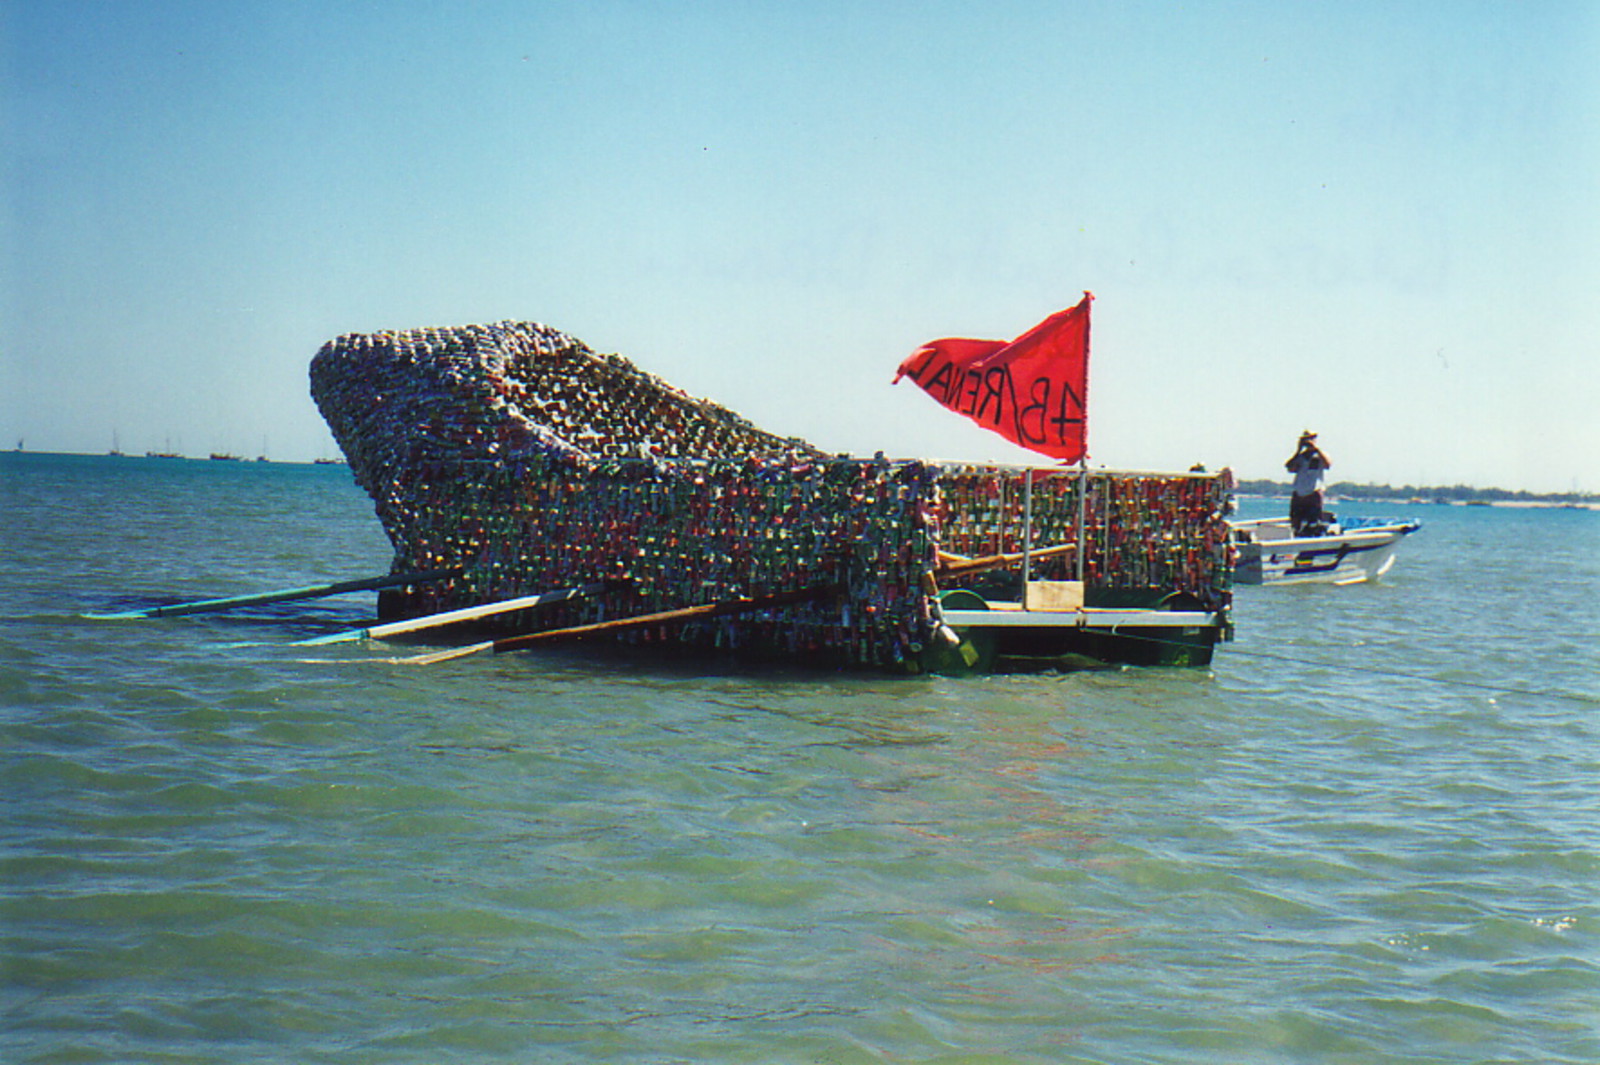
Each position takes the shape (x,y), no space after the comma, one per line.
(1370,833)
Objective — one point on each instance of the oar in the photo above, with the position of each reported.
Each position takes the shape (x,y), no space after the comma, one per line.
(450,617)
(577,632)
(316,591)
(963,567)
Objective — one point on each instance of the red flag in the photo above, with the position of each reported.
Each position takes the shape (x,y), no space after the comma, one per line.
(1033,391)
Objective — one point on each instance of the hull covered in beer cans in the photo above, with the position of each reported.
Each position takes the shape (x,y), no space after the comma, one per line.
(517,455)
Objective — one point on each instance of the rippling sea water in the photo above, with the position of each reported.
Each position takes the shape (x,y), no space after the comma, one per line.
(1370,833)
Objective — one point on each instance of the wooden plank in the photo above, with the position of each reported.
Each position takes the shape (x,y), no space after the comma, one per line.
(451,617)
(600,628)
(443,656)
(707,610)
(988,562)
(316,591)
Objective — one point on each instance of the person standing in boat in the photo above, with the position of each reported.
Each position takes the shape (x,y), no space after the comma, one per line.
(1309,466)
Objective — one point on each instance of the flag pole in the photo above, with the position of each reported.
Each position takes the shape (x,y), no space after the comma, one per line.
(1083,458)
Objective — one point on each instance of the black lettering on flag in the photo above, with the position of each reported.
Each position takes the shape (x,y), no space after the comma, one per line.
(994,380)
(940,381)
(974,378)
(926,355)
(1070,412)
(1031,418)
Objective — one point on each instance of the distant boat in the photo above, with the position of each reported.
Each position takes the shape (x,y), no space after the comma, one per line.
(116,446)
(1268,551)
(217,456)
(326,462)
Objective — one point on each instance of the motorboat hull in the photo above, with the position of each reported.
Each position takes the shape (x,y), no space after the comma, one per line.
(1267,552)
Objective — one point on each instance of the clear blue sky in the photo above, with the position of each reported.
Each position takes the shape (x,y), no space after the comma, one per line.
(1379,220)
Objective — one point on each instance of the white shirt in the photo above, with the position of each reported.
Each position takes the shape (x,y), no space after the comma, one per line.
(1309,474)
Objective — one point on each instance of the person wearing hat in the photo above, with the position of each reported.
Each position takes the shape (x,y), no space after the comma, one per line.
(1308,464)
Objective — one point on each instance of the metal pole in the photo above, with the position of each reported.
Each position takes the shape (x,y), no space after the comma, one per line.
(1083,499)
(1027,533)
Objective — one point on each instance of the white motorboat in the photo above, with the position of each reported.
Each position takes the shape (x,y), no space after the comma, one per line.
(1267,551)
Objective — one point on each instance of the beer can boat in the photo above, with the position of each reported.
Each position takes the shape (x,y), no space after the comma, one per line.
(517,455)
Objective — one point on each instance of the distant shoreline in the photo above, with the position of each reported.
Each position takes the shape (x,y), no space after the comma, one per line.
(1457,495)
(232,460)
(1341,492)
(1512,504)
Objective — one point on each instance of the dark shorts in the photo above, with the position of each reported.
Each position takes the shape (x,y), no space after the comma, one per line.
(1304,510)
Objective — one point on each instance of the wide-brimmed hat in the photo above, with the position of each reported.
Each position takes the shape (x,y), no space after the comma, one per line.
(1308,435)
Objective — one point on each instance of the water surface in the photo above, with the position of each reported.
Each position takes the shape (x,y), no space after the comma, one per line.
(1369,833)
